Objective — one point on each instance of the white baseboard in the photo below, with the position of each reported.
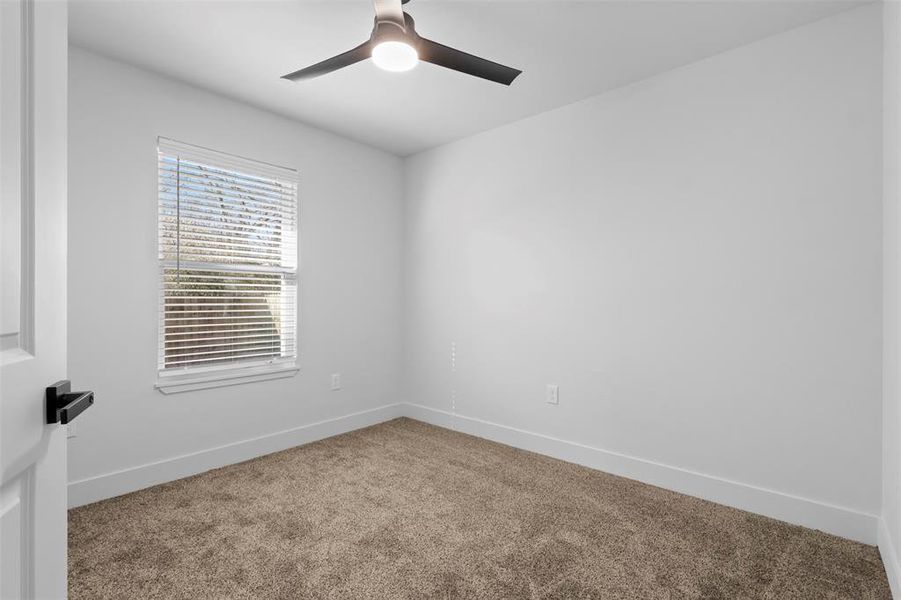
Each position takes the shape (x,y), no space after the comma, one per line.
(117,483)
(889,559)
(837,520)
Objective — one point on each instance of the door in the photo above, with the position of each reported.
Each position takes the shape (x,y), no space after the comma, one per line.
(33,88)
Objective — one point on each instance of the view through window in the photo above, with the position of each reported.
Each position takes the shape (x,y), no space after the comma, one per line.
(228,260)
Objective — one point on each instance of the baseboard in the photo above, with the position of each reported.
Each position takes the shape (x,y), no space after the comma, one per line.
(889,559)
(832,519)
(108,485)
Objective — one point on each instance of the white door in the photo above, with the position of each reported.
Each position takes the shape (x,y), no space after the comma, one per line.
(33,88)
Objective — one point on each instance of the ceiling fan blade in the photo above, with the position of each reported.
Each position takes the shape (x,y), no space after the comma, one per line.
(361,52)
(389,10)
(451,58)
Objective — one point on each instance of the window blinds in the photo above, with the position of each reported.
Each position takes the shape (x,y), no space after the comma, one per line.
(228,260)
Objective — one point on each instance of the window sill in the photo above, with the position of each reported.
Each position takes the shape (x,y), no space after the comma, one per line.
(173,384)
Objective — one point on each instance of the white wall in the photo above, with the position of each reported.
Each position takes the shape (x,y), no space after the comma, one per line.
(696,261)
(350,199)
(890,526)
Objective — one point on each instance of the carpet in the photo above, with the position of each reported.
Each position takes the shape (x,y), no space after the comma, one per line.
(408,510)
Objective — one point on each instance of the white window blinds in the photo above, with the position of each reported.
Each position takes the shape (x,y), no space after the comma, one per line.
(228,260)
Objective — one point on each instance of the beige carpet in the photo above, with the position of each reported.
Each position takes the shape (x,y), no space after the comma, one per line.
(407,510)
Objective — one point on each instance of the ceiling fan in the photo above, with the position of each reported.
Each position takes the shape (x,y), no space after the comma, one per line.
(395,46)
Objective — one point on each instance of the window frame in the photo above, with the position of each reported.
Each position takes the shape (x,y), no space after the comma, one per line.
(188,378)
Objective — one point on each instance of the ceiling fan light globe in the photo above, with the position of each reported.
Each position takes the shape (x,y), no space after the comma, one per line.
(395,56)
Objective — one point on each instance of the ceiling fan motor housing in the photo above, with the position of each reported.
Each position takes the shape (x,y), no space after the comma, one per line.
(389,31)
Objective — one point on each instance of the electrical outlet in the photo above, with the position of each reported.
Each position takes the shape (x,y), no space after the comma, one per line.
(336,381)
(552,394)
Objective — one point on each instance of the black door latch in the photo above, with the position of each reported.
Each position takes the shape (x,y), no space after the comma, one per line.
(63,404)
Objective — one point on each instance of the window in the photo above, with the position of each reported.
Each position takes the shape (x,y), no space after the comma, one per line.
(228,268)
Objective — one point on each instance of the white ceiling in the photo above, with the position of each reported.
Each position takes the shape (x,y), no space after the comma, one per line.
(567,50)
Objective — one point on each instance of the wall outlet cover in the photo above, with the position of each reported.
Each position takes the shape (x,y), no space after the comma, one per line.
(552,396)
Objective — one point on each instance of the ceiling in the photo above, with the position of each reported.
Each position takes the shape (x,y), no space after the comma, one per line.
(567,51)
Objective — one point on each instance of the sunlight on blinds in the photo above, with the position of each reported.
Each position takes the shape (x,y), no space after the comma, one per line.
(228,260)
